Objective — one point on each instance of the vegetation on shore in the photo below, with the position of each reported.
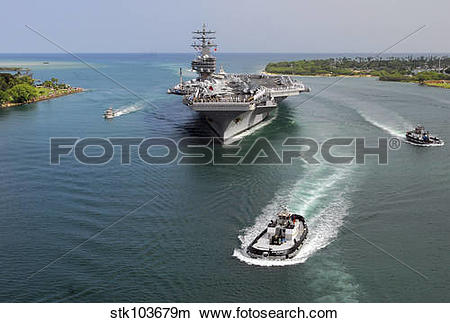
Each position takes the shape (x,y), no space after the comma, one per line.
(21,88)
(400,69)
(443,84)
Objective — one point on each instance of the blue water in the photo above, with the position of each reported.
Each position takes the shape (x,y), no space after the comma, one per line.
(187,244)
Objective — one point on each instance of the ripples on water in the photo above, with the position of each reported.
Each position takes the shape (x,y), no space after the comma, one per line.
(181,247)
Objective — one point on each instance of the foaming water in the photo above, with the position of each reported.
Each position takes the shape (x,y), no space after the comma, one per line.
(378,116)
(320,198)
(394,129)
(129,109)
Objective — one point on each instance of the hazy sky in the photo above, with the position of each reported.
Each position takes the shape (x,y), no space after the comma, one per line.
(309,26)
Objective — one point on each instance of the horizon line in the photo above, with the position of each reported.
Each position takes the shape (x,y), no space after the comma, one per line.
(231,52)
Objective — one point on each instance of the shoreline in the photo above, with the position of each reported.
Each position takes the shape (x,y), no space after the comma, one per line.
(443,84)
(432,83)
(319,75)
(45,97)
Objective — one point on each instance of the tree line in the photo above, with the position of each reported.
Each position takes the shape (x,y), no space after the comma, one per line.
(20,88)
(392,68)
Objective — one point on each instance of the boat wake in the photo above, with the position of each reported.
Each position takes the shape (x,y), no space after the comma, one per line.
(380,117)
(397,126)
(309,197)
(391,131)
(128,109)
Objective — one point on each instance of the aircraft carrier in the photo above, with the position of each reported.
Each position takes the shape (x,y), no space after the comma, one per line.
(231,103)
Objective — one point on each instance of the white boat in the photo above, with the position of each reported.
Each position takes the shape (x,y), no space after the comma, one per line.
(109,113)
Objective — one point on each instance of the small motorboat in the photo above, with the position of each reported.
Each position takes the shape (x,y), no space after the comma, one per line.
(178,90)
(109,113)
(181,88)
(422,137)
(282,239)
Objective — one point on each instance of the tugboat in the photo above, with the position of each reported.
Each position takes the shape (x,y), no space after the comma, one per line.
(282,239)
(109,114)
(422,137)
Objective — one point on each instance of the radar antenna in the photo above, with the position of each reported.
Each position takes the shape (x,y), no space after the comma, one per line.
(203,41)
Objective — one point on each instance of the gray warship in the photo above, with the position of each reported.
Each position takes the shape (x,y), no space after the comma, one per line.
(231,103)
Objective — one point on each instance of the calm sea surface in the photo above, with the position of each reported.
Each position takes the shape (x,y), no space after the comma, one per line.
(374,230)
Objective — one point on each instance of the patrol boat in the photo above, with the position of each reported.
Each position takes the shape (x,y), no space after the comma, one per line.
(422,137)
(282,239)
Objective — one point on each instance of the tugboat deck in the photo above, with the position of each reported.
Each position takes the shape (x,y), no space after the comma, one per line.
(263,242)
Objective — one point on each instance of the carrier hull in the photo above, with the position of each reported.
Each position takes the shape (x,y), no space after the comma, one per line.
(229,120)
(228,125)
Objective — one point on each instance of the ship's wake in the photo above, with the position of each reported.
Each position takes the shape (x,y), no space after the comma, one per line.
(389,129)
(128,109)
(320,199)
(396,129)
(379,116)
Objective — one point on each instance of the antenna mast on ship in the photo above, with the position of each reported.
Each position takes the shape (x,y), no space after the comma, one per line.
(203,41)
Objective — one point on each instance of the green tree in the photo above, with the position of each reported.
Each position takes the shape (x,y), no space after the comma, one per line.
(54,82)
(48,84)
(4,97)
(6,81)
(26,79)
(21,93)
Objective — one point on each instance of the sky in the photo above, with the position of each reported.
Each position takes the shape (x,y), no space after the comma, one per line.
(297,26)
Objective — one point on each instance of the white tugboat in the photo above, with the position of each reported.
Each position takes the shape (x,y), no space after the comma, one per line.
(109,113)
(282,239)
(421,137)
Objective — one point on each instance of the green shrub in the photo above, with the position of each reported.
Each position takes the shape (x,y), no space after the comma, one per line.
(22,93)
(4,97)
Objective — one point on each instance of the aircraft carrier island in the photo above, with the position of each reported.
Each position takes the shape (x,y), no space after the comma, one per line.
(231,103)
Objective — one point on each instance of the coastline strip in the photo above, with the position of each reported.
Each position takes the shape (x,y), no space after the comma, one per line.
(45,97)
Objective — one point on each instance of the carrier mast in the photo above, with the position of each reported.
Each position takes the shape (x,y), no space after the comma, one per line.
(205,63)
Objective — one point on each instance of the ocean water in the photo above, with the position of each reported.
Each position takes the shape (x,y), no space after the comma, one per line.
(187,244)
